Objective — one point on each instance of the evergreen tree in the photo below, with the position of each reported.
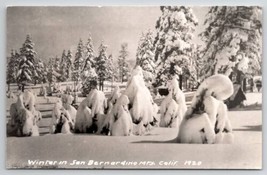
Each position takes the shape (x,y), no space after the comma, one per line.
(101,65)
(78,62)
(11,70)
(89,54)
(89,75)
(145,55)
(173,41)
(57,68)
(233,39)
(110,68)
(69,65)
(40,72)
(26,68)
(51,77)
(122,63)
(63,67)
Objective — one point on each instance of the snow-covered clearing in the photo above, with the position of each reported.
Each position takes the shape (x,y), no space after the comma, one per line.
(155,146)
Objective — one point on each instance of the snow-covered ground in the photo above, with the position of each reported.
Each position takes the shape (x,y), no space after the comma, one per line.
(157,146)
(245,153)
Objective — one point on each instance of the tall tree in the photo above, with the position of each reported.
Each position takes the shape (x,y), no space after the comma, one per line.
(233,39)
(57,68)
(122,63)
(89,54)
(78,62)
(26,66)
(40,72)
(51,77)
(69,65)
(89,74)
(11,69)
(89,63)
(63,66)
(101,65)
(173,41)
(145,55)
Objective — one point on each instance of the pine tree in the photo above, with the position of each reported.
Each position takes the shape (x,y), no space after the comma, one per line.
(78,62)
(40,72)
(89,74)
(51,77)
(63,67)
(122,63)
(11,70)
(101,65)
(57,68)
(145,55)
(110,68)
(173,41)
(26,66)
(233,39)
(69,65)
(89,54)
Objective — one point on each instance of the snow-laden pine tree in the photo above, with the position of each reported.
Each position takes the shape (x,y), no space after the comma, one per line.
(233,39)
(145,57)
(78,62)
(110,68)
(51,77)
(63,66)
(88,69)
(57,68)
(89,54)
(101,65)
(69,65)
(11,69)
(123,66)
(173,41)
(88,72)
(40,72)
(26,66)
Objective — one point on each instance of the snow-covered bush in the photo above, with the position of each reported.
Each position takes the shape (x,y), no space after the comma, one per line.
(61,121)
(173,107)
(206,119)
(121,121)
(140,100)
(84,117)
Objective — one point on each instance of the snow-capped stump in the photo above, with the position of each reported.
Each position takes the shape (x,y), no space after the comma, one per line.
(173,107)
(206,120)
(140,100)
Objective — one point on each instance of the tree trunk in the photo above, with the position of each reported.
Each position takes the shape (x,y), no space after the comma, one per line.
(245,85)
(8,87)
(22,87)
(239,77)
(186,83)
(181,81)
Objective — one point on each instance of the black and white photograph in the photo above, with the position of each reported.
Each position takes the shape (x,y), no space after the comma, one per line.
(134,87)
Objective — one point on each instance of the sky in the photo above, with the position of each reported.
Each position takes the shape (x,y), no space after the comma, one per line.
(54,29)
